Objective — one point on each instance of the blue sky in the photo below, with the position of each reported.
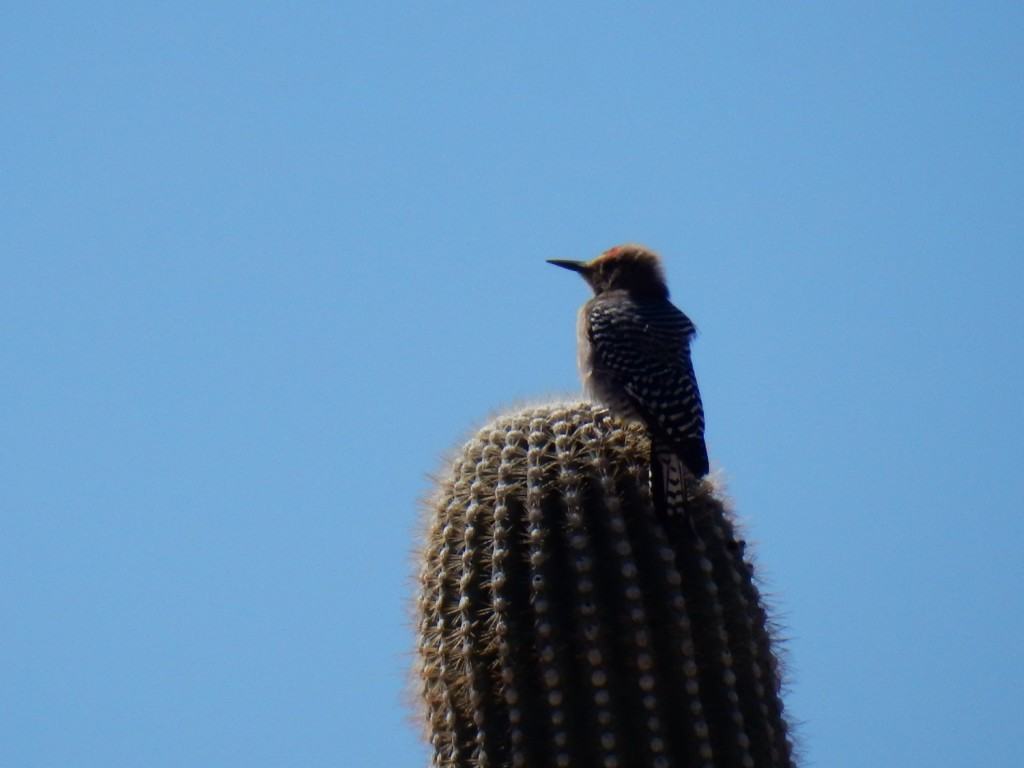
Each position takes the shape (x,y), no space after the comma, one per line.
(265,263)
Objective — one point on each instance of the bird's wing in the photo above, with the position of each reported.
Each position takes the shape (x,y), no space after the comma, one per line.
(645,346)
(634,333)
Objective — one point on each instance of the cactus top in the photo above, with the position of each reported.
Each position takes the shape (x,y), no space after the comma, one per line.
(563,622)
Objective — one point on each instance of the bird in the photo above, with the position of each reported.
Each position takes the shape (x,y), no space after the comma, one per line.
(634,358)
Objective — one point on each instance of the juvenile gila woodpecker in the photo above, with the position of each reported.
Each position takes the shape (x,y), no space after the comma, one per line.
(634,357)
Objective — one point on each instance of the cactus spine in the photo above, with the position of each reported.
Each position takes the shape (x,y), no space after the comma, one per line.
(562,622)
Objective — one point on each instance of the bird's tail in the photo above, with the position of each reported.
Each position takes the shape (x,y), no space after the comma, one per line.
(669,478)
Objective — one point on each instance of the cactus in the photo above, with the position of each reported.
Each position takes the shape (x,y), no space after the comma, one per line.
(563,622)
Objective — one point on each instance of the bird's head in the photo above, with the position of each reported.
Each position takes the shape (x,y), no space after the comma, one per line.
(630,267)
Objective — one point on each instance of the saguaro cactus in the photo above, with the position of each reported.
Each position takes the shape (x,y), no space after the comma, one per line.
(563,622)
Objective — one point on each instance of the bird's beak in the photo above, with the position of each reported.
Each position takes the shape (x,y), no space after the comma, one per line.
(576,266)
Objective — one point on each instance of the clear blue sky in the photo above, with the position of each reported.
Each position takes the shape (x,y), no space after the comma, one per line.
(265,263)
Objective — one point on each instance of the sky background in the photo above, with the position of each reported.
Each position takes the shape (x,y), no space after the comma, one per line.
(264,264)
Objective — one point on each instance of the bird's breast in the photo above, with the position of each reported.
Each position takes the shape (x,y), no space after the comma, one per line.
(584,351)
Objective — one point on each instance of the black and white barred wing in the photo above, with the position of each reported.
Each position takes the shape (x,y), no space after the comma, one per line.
(642,349)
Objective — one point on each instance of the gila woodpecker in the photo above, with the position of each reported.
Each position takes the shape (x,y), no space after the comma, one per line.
(634,357)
